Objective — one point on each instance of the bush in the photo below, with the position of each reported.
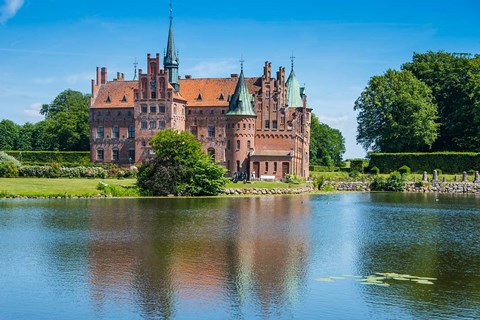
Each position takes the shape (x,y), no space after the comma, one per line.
(358,165)
(62,172)
(6,158)
(8,170)
(117,191)
(291,178)
(318,182)
(354,174)
(404,170)
(395,182)
(449,162)
(374,170)
(323,169)
(45,157)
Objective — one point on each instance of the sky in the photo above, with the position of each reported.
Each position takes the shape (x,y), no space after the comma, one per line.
(47,46)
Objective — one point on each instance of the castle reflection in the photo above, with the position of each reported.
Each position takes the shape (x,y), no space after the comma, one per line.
(199,253)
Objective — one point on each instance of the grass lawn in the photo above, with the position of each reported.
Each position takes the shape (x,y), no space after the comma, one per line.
(43,187)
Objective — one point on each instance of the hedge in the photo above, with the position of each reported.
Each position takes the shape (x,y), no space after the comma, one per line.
(47,157)
(324,169)
(448,162)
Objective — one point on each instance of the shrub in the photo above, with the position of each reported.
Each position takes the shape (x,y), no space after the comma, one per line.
(8,170)
(117,191)
(318,182)
(449,162)
(6,158)
(44,157)
(374,170)
(395,182)
(358,165)
(62,172)
(354,174)
(291,178)
(404,170)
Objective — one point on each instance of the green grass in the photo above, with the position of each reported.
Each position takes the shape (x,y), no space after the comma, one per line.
(42,187)
(263,184)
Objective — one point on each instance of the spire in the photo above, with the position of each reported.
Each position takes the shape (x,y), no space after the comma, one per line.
(135,64)
(241,102)
(293,90)
(170,61)
(292,58)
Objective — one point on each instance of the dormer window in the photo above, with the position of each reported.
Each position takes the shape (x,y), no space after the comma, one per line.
(199,96)
(108,100)
(222,97)
(124,99)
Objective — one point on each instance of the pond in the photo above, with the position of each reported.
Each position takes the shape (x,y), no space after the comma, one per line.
(266,257)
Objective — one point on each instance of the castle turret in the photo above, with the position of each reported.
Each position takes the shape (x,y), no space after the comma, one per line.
(294,96)
(171,61)
(240,128)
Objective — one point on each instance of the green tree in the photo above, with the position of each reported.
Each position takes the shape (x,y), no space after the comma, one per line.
(327,145)
(25,137)
(67,122)
(396,114)
(179,167)
(455,83)
(8,135)
(41,139)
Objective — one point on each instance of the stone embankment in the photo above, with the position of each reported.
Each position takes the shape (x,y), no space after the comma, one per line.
(443,187)
(266,191)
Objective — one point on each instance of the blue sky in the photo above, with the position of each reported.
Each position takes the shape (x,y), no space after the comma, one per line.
(47,46)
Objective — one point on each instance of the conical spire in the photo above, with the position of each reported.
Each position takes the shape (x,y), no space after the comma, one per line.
(241,102)
(170,61)
(293,91)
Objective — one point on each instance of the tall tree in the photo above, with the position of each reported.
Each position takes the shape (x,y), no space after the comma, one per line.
(67,122)
(396,114)
(327,145)
(455,83)
(25,137)
(8,135)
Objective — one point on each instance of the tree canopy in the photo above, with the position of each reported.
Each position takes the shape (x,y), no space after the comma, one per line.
(396,114)
(327,145)
(66,127)
(179,167)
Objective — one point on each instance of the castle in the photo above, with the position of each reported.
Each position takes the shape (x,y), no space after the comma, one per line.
(257,125)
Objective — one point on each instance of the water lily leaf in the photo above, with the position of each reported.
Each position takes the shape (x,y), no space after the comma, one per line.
(401,279)
(337,278)
(324,279)
(423,281)
(382,284)
(426,278)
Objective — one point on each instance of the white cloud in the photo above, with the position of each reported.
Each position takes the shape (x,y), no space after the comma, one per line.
(32,113)
(333,120)
(9,9)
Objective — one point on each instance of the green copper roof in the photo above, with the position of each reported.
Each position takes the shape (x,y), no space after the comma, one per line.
(170,56)
(293,91)
(241,102)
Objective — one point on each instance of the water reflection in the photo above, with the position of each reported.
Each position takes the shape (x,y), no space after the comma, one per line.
(234,258)
(203,252)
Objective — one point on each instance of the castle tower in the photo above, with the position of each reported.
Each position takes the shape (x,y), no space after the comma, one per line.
(294,96)
(171,61)
(240,132)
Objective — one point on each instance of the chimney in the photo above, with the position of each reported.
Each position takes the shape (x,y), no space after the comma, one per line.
(103,75)
(98,76)
(188,76)
(234,75)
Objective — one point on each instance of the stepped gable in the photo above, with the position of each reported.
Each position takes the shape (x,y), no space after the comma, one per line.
(211,89)
(115,94)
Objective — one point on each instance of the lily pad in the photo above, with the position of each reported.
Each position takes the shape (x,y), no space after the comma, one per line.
(337,278)
(401,279)
(324,279)
(423,281)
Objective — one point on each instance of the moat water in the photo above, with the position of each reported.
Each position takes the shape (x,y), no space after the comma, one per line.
(241,258)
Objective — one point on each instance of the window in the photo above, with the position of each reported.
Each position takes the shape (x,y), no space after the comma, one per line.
(161,109)
(274,124)
(109,100)
(131,156)
(267,124)
(154,95)
(275,167)
(238,144)
(248,145)
(193,130)
(100,133)
(129,113)
(211,111)
(211,131)
(100,154)
(144,108)
(189,111)
(266,166)
(115,132)
(124,99)
(244,126)
(144,124)
(238,165)
(115,154)
(161,124)
(153,124)
(131,131)
(201,111)
(153,109)
(228,145)
(223,111)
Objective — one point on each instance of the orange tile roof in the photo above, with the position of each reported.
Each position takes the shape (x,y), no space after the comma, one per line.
(116,90)
(211,89)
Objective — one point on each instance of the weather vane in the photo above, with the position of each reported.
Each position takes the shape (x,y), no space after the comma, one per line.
(292,58)
(171,10)
(241,63)
(135,64)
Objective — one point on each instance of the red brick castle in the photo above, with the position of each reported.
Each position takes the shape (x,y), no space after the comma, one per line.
(255,125)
